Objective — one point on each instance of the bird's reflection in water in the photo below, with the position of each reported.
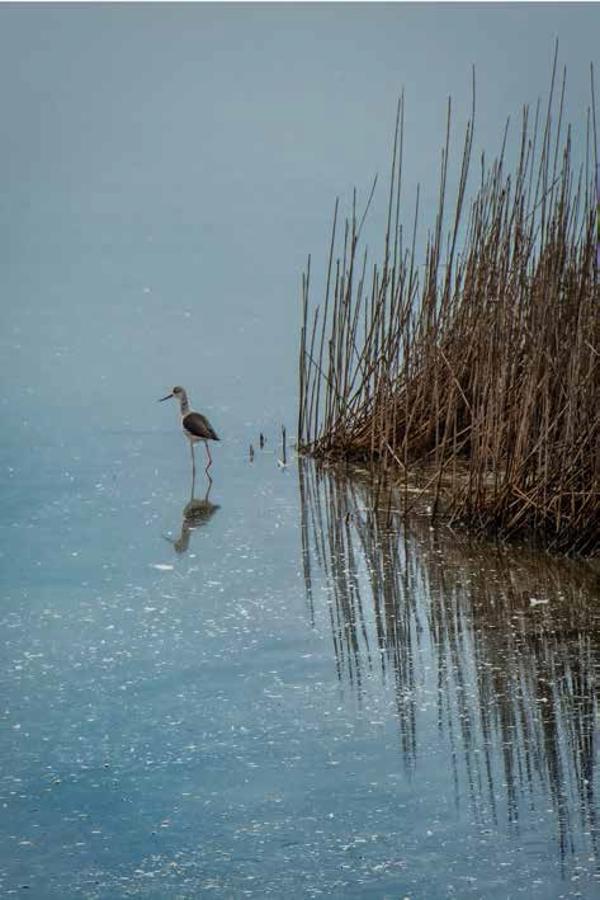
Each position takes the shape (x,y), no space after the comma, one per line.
(196,513)
(501,647)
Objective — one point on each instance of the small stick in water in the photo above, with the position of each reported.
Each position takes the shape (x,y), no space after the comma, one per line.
(283,443)
(251,453)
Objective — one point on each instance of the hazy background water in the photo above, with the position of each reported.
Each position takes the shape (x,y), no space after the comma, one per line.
(167,169)
(231,721)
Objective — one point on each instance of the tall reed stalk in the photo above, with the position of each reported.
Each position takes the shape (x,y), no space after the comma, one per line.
(483,364)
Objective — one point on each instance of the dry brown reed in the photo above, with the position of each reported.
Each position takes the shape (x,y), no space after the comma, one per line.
(483,365)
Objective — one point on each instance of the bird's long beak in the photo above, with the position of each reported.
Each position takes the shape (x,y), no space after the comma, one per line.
(168,397)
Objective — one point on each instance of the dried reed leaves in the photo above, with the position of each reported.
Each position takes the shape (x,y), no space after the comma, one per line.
(483,364)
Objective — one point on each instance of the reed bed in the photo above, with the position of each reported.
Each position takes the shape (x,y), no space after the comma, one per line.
(480,367)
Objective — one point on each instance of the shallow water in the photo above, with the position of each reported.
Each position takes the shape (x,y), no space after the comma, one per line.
(282,695)
(269,693)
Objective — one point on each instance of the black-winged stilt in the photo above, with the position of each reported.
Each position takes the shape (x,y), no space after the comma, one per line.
(196,427)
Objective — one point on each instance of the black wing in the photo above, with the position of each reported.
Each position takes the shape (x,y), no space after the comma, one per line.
(199,425)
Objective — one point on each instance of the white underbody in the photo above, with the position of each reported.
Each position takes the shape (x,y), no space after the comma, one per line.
(193,437)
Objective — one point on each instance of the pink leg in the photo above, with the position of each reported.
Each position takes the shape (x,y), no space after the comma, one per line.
(209,464)
(193,461)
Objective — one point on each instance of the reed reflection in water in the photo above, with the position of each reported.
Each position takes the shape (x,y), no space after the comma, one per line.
(501,647)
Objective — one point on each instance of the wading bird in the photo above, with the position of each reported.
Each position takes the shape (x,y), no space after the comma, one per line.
(196,427)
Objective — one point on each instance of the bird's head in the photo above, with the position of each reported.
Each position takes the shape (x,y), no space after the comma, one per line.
(176,392)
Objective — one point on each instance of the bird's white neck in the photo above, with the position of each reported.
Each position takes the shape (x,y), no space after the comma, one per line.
(183,403)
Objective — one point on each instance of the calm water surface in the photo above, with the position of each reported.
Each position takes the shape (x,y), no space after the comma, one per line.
(271,693)
(276,694)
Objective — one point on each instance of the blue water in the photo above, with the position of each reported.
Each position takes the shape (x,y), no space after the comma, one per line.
(291,699)
(273,691)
